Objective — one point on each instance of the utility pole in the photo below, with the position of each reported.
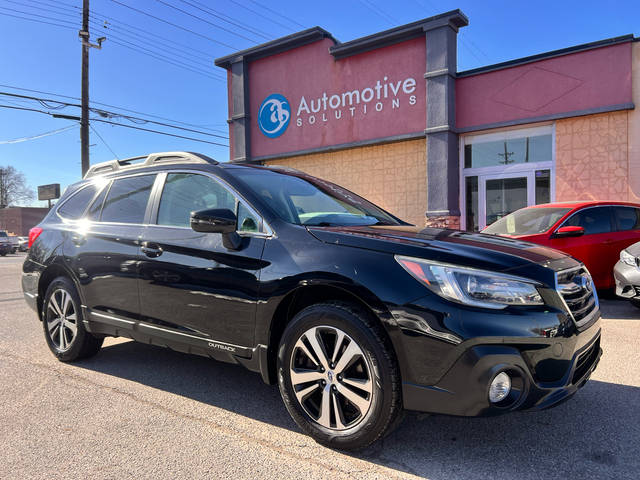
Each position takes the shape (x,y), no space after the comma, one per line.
(84,118)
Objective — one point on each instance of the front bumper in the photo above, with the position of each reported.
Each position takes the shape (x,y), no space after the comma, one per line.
(463,390)
(627,279)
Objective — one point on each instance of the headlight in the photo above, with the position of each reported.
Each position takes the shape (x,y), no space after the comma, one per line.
(626,257)
(469,286)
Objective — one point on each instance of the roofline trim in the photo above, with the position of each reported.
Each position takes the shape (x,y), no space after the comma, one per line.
(454,18)
(607,42)
(276,46)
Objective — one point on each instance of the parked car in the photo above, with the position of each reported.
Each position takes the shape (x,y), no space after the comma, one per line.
(354,313)
(23,244)
(592,232)
(627,274)
(5,247)
(11,239)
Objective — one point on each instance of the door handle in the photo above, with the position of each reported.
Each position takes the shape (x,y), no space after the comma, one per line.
(151,250)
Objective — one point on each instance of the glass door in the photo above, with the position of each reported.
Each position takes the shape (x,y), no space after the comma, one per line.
(490,197)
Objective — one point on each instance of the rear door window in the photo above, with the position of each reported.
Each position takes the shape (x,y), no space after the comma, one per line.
(127,199)
(593,220)
(74,208)
(627,218)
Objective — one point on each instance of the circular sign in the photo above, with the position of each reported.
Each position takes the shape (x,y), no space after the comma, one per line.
(274,115)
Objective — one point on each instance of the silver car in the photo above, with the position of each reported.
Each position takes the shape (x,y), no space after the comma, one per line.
(627,274)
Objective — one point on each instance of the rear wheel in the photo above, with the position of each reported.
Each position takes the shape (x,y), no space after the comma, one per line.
(338,376)
(635,302)
(62,322)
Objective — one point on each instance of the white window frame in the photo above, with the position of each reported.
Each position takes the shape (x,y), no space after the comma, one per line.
(505,171)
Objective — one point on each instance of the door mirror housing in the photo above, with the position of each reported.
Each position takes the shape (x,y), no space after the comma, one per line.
(568,232)
(216,220)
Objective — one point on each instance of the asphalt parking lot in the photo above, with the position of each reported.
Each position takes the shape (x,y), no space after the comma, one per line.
(145,412)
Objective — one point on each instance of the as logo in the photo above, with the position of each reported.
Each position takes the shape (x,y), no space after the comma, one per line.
(274,115)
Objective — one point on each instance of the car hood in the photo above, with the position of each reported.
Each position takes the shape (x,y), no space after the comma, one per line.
(477,250)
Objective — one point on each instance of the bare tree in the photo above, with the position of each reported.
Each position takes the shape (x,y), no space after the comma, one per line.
(13,188)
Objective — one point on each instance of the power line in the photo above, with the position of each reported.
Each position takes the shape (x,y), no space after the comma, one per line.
(205,21)
(110,106)
(105,143)
(105,113)
(38,21)
(286,27)
(69,117)
(40,135)
(277,13)
(231,20)
(378,11)
(142,12)
(140,49)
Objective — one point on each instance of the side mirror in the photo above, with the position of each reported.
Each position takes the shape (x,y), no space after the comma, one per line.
(568,232)
(217,220)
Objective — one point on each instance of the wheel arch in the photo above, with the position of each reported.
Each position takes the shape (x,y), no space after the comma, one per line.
(313,293)
(48,275)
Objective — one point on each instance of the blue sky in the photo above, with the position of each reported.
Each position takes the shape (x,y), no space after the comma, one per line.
(45,57)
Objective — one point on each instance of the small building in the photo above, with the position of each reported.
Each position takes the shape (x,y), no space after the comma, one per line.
(20,220)
(390,117)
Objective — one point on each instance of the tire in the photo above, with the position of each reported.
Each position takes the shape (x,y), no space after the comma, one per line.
(635,302)
(3,254)
(354,417)
(62,301)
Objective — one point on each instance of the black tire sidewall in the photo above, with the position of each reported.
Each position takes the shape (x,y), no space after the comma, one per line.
(78,342)
(380,414)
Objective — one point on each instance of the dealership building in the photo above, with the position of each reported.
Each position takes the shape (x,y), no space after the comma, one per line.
(390,117)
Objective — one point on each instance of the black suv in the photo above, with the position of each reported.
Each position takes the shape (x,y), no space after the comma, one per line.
(356,314)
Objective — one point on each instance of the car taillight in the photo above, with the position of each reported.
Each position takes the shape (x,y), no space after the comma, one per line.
(33,234)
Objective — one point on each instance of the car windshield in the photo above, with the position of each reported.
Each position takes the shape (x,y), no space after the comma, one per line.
(304,200)
(527,221)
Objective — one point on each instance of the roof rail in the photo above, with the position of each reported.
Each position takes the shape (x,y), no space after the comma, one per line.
(153,159)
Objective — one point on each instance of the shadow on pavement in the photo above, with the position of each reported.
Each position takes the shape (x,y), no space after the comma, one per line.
(596,434)
(619,309)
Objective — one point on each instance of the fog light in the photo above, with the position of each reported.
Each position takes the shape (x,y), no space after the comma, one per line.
(499,388)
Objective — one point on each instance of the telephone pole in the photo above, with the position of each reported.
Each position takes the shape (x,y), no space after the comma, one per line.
(84,115)
(84,119)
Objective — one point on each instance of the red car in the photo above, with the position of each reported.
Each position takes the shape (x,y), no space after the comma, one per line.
(592,232)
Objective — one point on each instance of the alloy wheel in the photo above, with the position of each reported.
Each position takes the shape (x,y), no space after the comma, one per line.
(62,320)
(331,377)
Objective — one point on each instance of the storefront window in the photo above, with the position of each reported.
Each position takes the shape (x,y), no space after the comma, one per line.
(543,186)
(505,171)
(472,203)
(530,149)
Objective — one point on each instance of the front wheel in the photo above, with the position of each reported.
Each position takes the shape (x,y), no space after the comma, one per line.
(338,376)
(64,330)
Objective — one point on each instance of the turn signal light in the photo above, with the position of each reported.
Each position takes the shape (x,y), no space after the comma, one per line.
(33,234)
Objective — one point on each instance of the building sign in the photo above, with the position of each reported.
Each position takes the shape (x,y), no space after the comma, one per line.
(274,115)
(306,99)
(49,192)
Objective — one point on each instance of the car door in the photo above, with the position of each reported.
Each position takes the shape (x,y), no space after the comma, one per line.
(627,220)
(103,248)
(190,282)
(594,248)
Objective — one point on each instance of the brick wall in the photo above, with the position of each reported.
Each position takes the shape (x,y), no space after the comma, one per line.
(393,175)
(592,157)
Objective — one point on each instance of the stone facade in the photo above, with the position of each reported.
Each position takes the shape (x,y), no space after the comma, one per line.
(592,158)
(444,222)
(392,175)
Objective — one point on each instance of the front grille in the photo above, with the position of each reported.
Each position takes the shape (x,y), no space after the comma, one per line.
(577,290)
(585,361)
